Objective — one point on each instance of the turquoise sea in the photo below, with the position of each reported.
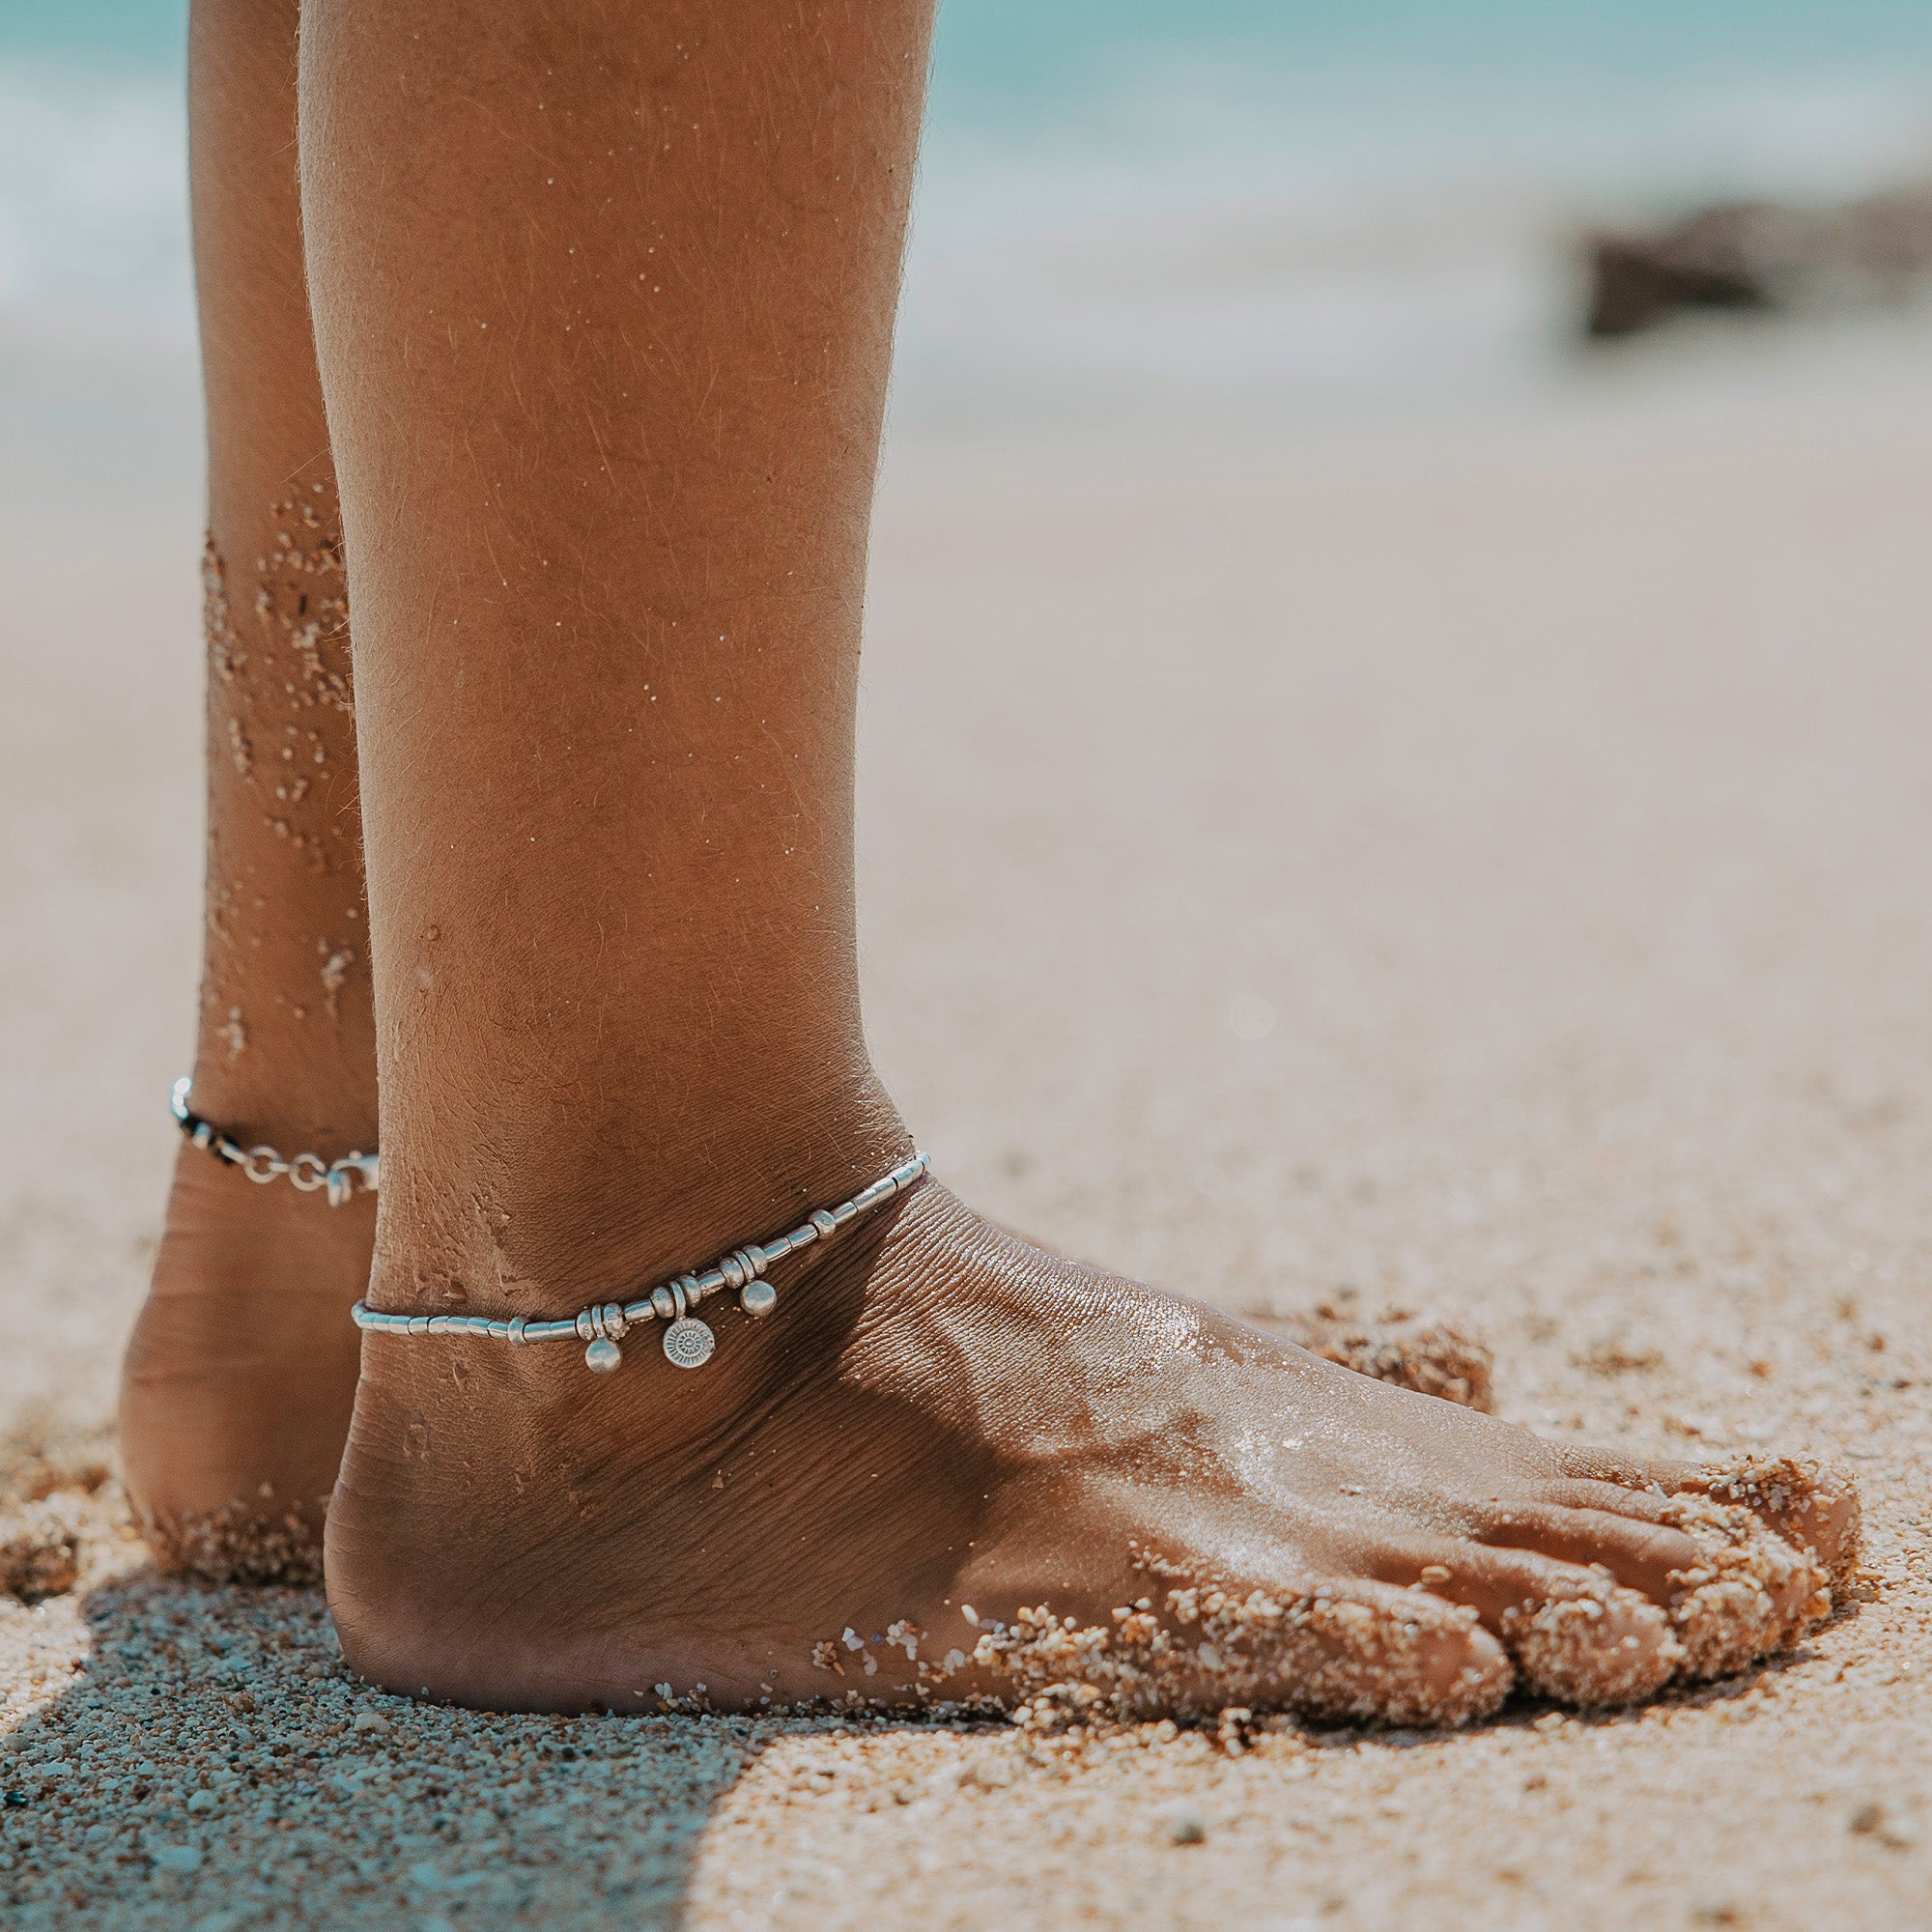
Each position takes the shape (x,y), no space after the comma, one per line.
(1144,205)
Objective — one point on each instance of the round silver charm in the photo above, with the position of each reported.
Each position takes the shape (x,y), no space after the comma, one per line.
(689,1342)
(757,1298)
(603,1356)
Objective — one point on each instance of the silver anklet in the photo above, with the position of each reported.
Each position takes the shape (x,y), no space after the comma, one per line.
(305,1171)
(688,1342)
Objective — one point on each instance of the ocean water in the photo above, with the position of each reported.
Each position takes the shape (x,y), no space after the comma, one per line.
(1143,209)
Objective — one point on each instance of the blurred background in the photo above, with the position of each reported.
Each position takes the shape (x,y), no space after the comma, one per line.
(1529,715)
(1202,213)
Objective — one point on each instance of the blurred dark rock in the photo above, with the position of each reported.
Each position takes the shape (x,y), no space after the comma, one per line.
(1757,255)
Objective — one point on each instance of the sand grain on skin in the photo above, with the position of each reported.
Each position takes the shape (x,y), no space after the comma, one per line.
(1207,1649)
(1749,1595)
(1564,1652)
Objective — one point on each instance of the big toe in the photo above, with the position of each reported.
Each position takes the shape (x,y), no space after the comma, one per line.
(1348,1649)
(1369,1649)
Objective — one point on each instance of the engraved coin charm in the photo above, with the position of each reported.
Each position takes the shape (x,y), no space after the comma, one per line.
(603,1355)
(689,1342)
(757,1298)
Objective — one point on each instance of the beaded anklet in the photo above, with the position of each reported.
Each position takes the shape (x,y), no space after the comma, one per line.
(307,1172)
(688,1342)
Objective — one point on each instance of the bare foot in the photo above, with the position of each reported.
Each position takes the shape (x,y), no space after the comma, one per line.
(239,1381)
(952,1467)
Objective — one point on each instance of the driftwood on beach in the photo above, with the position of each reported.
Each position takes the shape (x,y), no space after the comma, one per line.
(1759,255)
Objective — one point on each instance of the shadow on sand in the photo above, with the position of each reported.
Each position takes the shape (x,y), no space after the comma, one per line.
(214,1766)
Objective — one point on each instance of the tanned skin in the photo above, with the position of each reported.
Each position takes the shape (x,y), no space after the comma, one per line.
(602,306)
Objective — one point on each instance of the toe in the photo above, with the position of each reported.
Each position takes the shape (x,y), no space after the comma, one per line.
(1360,1649)
(1748,1594)
(1593,1649)
(1812,1506)
(1576,1633)
(1349,1650)
(1642,1549)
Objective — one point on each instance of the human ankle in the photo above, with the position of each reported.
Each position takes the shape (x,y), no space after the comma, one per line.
(509,1224)
(472,1465)
(291,1092)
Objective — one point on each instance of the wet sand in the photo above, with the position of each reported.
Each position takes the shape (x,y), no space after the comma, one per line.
(1483,872)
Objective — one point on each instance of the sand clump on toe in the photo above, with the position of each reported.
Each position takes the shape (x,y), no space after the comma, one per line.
(1804,1493)
(1211,1650)
(1750,1593)
(1564,1654)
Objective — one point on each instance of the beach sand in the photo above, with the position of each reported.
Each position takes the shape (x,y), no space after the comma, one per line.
(1484,869)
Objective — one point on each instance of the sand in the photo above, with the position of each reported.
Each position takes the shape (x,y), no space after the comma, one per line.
(1483,870)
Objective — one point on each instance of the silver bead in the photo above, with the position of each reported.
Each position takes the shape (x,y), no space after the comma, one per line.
(603,1355)
(587,1325)
(668,1310)
(826,1225)
(614,1323)
(757,1298)
(733,1271)
(688,1343)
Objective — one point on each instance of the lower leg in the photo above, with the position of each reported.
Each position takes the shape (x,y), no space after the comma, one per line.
(604,321)
(604,327)
(241,1374)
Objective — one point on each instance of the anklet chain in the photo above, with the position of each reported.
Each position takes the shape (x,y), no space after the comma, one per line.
(307,1172)
(688,1342)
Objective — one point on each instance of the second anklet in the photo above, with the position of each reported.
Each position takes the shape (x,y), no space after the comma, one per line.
(688,1342)
(307,1172)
